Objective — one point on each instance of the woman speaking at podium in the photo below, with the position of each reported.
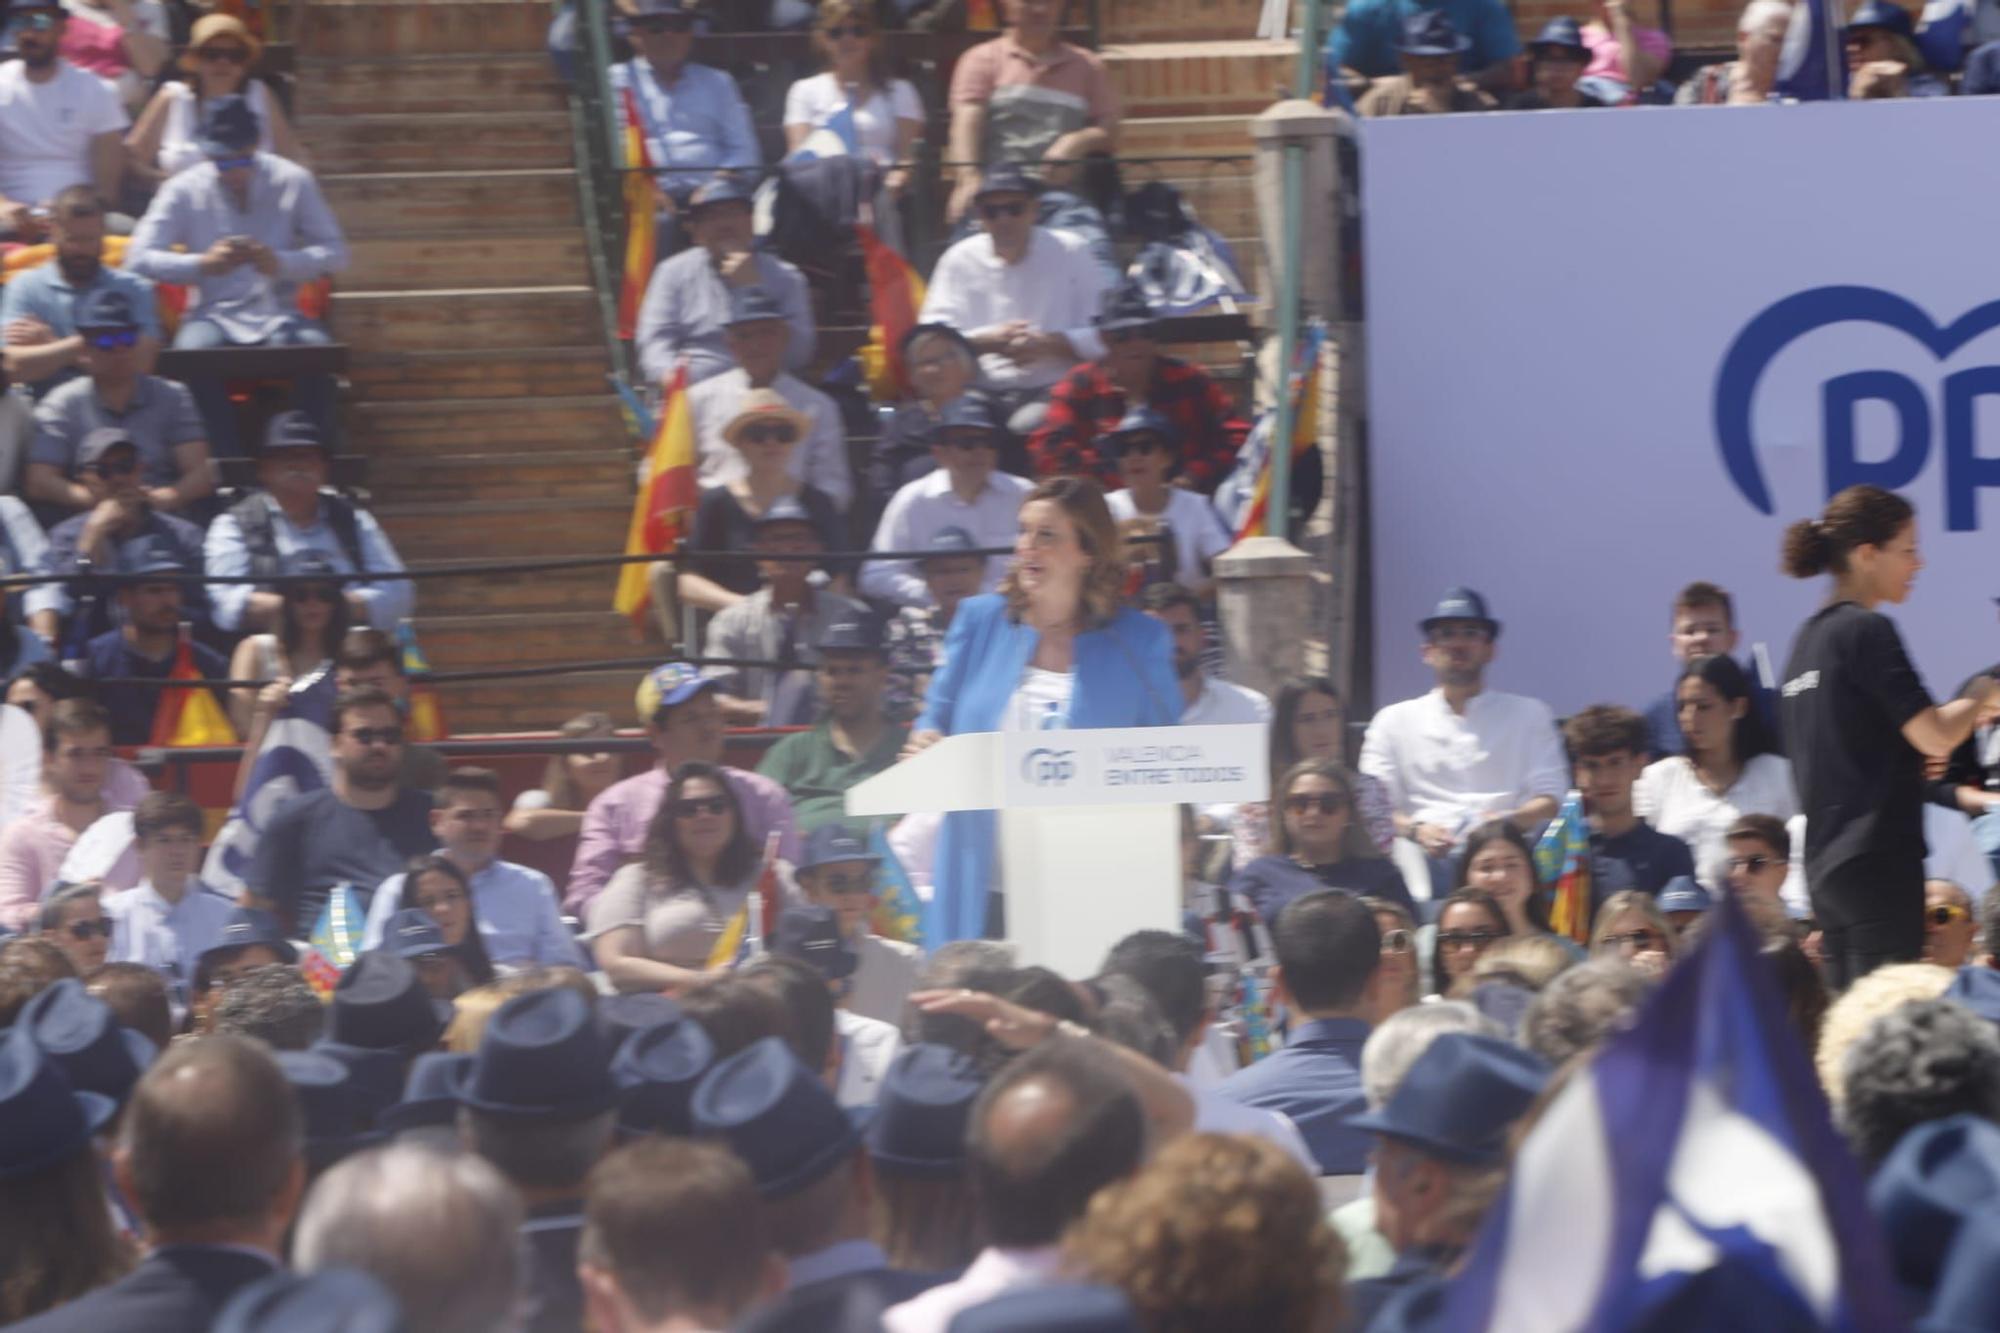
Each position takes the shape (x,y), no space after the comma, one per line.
(1052,648)
(1858,725)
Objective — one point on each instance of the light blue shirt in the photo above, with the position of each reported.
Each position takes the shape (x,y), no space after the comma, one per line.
(43,293)
(224,553)
(515,908)
(167,937)
(687,303)
(286,212)
(695,127)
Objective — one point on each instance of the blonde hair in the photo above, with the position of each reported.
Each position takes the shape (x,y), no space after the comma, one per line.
(1527,960)
(1633,900)
(831,12)
(1219,1231)
(1874,995)
(472,1011)
(1082,503)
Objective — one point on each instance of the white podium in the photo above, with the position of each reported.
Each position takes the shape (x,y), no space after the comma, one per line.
(1089,825)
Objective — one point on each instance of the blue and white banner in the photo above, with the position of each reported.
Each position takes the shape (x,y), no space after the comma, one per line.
(1662,336)
(1812,64)
(296,756)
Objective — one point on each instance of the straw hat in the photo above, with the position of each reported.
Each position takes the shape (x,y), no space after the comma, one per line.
(765,405)
(210,26)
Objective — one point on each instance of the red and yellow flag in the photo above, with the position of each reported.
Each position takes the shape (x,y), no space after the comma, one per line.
(184,715)
(426,715)
(895,295)
(666,498)
(642,201)
(1303,385)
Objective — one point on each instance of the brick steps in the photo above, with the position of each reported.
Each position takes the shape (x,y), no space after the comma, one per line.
(454,27)
(1131,21)
(543,593)
(525,639)
(481,425)
(569,474)
(505,529)
(481,707)
(486,319)
(375,203)
(405,84)
(1169,78)
(552,371)
(414,261)
(439,141)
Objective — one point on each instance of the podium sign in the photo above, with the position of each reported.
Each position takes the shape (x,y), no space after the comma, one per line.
(1089,825)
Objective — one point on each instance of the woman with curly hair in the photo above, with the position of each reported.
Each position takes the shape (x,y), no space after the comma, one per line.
(1220,1233)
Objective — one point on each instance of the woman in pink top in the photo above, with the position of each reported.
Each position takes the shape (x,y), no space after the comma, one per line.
(123,42)
(1625,58)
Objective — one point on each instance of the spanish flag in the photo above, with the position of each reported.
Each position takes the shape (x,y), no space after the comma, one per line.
(1303,386)
(895,294)
(665,501)
(187,715)
(642,201)
(426,717)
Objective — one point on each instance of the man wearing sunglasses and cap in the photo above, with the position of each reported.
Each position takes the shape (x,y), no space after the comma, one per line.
(692,117)
(39,342)
(157,415)
(59,125)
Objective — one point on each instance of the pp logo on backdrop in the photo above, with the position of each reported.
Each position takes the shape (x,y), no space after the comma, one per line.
(1048,768)
(1917,413)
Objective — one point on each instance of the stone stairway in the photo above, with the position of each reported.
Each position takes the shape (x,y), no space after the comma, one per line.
(479,370)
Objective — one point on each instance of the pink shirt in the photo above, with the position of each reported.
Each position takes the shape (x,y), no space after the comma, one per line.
(614,827)
(31,856)
(1608,60)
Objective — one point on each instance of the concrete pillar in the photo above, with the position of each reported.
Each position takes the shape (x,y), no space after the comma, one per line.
(1316,128)
(1264,603)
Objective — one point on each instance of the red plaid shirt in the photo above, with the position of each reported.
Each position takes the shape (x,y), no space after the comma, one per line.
(1086,404)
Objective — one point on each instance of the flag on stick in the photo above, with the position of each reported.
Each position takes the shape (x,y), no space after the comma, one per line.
(666,499)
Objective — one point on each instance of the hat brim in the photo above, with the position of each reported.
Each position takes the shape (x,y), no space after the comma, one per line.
(1122,324)
(216,148)
(1378,1122)
(822,1163)
(1463,45)
(98,1111)
(1577,49)
(581,1109)
(869,857)
(792,417)
(1429,623)
(190,62)
(423,1113)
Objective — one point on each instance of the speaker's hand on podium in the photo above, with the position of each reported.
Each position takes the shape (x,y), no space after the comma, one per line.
(918,742)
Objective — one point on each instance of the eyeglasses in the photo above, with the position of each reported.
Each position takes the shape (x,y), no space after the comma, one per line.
(117,467)
(1326,802)
(1466,939)
(1637,939)
(1753,864)
(115,340)
(89,930)
(769,435)
(859,881)
(376,735)
(992,211)
(234,163)
(235,55)
(1946,913)
(1396,941)
(844,30)
(687,807)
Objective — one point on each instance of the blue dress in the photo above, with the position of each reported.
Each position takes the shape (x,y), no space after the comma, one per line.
(1123,677)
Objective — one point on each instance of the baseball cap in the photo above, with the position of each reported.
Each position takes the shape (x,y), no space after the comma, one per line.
(99,443)
(667,686)
(105,308)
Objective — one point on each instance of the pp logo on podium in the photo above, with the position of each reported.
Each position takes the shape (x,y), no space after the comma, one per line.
(1048,768)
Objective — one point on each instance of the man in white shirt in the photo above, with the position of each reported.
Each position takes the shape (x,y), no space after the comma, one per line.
(1206,701)
(169,918)
(965,492)
(1023,295)
(59,125)
(757,334)
(1464,754)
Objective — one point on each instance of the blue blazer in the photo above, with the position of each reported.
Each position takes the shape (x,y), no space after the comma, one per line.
(1124,677)
(178,1289)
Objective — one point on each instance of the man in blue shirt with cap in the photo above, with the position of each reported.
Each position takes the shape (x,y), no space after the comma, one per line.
(43,348)
(146,642)
(691,116)
(1366,42)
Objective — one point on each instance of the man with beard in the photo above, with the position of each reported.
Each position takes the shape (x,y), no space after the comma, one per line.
(359,831)
(1206,701)
(1429,84)
(1464,754)
(59,125)
(144,644)
(854,739)
(42,345)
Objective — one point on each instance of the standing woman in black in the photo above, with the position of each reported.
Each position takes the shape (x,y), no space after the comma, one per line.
(1859,724)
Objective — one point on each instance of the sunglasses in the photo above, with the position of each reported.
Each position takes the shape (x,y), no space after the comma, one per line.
(687,807)
(835,34)
(854,882)
(992,211)
(1946,913)
(119,467)
(968,444)
(769,435)
(1466,939)
(234,55)
(1753,864)
(1326,802)
(314,593)
(89,930)
(376,735)
(115,340)
(1638,939)
(233,163)
(1140,445)
(1396,941)
(1119,337)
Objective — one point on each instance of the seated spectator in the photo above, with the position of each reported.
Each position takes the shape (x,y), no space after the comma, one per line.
(842,874)
(1922,1061)
(692,117)
(853,740)
(755,336)
(220,54)
(76,751)
(1319,844)
(358,830)
(1729,769)
(278,1006)
(1704,623)
(169,918)
(926,1220)
(1860,1006)
(806,966)
(292,512)
(1430,51)
(1556,60)
(1309,721)
(1023,295)
(888,118)
(674,1236)
(1759,860)
(512,908)
(59,125)
(782,621)
(1607,747)
(1028,96)
(964,492)
(120,524)
(312,622)
(1463,753)
(1883,60)
(147,642)
(72,918)
(915,634)
(1208,700)
(137,996)
(570,782)
(684,722)
(1091,405)
(1948,924)
(1370,36)
(40,346)
(241,231)
(656,923)
(438,936)
(248,941)
(1631,928)
(1329,952)
(940,365)
(766,432)
(687,299)
(1683,902)
(158,416)
(1626,60)
(1499,862)
(123,42)
(372,659)
(1750,79)
(1577,1010)
(1151,506)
